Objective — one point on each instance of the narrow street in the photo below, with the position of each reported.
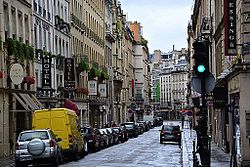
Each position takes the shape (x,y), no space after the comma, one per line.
(144,151)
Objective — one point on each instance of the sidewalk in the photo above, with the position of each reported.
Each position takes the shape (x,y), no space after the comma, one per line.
(218,157)
(7,161)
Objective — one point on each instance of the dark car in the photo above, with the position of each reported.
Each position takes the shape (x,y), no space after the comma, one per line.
(93,138)
(132,130)
(170,133)
(123,128)
(158,121)
(121,132)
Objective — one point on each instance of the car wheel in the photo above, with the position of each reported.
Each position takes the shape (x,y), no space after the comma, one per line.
(161,142)
(36,147)
(60,156)
(75,154)
(55,161)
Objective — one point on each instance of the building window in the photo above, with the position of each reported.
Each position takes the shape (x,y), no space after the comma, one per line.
(35,6)
(35,35)
(20,25)
(49,41)
(40,37)
(26,24)
(56,45)
(13,15)
(44,40)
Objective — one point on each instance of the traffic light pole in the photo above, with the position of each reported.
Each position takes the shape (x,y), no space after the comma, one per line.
(201,71)
(204,147)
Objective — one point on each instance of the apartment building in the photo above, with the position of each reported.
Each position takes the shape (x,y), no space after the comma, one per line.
(173,79)
(77,54)
(17,84)
(141,54)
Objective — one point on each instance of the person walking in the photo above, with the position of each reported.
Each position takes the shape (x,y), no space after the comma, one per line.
(182,121)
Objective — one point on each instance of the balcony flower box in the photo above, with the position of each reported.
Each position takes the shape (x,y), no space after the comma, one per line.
(29,80)
(1,74)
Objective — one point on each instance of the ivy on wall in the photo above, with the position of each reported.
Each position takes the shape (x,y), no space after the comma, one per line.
(19,49)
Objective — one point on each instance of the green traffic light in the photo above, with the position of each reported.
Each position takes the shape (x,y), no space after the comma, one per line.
(201,68)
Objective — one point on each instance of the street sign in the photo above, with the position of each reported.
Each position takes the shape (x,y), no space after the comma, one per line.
(189,113)
(209,83)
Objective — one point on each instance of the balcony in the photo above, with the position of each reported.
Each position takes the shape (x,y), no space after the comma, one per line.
(118,80)
(109,36)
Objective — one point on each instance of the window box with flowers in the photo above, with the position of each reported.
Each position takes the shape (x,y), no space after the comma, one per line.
(85,91)
(82,90)
(1,74)
(29,80)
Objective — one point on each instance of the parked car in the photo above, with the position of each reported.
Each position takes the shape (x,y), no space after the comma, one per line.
(115,135)
(104,139)
(86,133)
(125,132)
(170,133)
(158,121)
(132,130)
(38,147)
(109,135)
(121,133)
(94,138)
(141,128)
(144,125)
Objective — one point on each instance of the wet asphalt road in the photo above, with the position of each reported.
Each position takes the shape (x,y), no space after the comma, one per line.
(143,151)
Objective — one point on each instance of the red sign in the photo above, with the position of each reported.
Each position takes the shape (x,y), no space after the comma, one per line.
(133,86)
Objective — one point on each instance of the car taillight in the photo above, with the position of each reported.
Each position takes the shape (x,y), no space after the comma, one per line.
(70,139)
(52,143)
(17,146)
(91,137)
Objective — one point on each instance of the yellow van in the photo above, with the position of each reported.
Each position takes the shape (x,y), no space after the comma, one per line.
(64,123)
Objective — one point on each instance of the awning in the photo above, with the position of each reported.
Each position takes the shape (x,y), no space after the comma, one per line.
(28,101)
(71,105)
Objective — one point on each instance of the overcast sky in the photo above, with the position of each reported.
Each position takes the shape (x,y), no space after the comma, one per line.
(164,21)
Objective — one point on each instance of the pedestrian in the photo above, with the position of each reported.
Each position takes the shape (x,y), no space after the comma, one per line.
(182,121)
(190,123)
(11,146)
(114,124)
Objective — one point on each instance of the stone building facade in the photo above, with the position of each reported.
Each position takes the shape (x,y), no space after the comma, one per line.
(225,24)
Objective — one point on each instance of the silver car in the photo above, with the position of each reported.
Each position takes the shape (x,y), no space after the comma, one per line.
(38,147)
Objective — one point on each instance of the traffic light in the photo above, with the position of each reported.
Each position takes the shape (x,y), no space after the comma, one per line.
(201,57)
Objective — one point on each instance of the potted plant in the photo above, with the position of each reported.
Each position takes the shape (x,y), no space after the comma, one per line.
(85,91)
(29,80)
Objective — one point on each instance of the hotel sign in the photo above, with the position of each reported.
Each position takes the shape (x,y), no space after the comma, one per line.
(46,72)
(230,26)
(69,75)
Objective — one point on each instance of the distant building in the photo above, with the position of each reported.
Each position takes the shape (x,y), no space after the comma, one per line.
(172,72)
